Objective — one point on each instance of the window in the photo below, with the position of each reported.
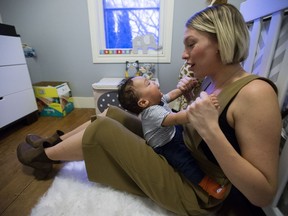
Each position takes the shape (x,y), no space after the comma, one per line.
(129,30)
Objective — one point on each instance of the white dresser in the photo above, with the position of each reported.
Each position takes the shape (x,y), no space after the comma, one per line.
(17,98)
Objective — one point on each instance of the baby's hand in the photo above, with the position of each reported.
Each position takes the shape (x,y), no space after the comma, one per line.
(186,84)
(214,100)
(194,82)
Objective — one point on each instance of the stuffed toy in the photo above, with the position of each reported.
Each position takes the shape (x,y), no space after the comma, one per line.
(147,70)
(132,69)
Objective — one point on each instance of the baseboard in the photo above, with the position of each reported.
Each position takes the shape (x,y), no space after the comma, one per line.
(84,102)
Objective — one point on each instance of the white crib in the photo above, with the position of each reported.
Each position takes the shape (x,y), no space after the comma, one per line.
(268,56)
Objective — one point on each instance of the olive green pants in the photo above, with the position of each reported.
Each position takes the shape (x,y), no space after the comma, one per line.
(115,154)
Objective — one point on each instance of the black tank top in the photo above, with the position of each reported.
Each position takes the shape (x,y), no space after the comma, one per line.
(228,131)
(235,200)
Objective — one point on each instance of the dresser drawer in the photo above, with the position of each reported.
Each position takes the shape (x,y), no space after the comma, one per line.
(15,106)
(11,51)
(14,79)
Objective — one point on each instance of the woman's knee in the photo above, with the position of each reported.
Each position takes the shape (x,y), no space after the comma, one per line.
(128,120)
(100,127)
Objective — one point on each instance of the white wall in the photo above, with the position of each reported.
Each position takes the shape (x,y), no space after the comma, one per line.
(59,32)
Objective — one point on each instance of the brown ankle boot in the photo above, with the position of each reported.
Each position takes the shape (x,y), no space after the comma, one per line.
(36,140)
(35,158)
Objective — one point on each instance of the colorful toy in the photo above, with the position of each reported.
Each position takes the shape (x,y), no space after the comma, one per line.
(132,69)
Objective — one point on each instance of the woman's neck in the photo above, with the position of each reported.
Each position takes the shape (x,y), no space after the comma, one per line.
(225,76)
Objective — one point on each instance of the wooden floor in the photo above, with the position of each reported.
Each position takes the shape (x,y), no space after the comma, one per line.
(19,190)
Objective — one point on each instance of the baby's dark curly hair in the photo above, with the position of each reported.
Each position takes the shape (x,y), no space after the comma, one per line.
(128,97)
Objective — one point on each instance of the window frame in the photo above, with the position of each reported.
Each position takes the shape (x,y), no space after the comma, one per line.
(96,19)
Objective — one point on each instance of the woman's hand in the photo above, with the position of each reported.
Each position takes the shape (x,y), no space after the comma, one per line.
(203,114)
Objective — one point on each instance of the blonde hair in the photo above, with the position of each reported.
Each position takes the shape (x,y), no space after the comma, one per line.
(225,23)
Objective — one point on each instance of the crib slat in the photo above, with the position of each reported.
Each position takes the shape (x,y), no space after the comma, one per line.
(254,37)
(272,38)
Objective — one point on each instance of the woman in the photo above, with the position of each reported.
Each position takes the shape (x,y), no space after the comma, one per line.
(238,147)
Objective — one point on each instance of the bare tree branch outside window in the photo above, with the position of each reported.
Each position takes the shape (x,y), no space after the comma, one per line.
(127,19)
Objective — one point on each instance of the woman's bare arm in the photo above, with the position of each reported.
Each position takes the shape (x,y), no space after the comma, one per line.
(255,115)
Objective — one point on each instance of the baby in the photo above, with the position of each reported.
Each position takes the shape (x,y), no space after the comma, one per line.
(162,128)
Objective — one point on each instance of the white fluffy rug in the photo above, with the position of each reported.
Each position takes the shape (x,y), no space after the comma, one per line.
(72,194)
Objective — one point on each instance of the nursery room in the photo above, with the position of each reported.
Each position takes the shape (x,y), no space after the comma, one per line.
(69,144)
